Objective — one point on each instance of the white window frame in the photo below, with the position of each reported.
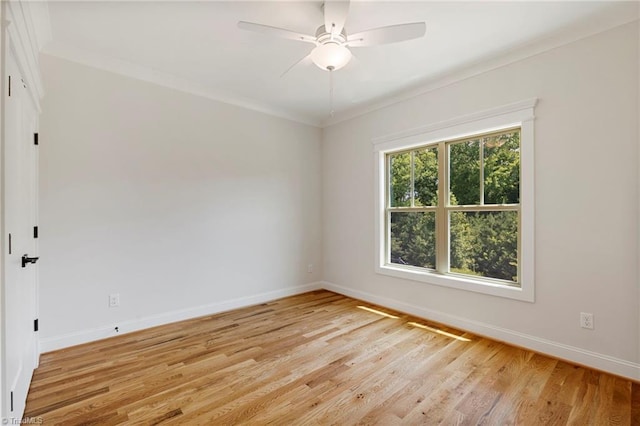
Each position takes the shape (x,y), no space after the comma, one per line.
(519,114)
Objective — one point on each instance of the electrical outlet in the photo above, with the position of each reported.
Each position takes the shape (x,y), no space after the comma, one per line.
(586,320)
(310,268)
(114,300)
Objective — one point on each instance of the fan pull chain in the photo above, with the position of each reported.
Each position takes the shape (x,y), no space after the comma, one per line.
(330,68)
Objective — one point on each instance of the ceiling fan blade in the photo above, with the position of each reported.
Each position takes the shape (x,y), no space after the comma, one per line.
(390,34)
(275,31)
(335,15)
(304,60)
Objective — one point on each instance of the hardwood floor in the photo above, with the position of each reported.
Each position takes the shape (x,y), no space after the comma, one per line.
(319,358)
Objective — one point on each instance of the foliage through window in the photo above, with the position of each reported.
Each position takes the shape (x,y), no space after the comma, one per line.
(453,207)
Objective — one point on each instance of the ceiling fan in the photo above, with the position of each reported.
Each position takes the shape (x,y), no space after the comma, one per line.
(332,40)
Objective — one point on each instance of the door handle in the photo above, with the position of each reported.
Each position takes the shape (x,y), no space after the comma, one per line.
(26,259)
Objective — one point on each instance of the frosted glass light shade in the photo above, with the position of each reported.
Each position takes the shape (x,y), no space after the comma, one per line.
(330,56)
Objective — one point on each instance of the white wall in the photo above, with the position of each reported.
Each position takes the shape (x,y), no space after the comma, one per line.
(180,204)
(586,189)
(184,205)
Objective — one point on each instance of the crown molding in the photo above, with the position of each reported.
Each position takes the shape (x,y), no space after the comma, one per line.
(159,78)
(622,16)
(514,55)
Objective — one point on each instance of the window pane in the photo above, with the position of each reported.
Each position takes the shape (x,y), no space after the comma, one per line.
(502,168)
(484,244)
(400,180)
(413,239)
(426,177)
(464,169)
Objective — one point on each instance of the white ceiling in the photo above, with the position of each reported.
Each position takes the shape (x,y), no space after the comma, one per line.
(197,47)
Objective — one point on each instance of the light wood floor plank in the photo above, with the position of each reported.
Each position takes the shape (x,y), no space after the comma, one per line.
(319,358)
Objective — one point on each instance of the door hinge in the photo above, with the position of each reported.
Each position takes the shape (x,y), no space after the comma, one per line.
(35,139)
(35,232)
(11,400)
(35,324)
(9,243)
(9,86)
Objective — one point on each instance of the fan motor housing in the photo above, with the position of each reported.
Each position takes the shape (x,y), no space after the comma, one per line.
(323,36)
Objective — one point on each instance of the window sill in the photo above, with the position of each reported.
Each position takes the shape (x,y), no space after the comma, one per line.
(459,282)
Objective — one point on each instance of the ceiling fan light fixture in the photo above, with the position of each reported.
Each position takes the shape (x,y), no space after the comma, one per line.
(331,56)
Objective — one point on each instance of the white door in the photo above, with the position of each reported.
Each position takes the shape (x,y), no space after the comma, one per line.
(20,191)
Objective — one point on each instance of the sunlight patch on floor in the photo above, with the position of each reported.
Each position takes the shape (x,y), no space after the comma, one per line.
(375,311)
(435,330)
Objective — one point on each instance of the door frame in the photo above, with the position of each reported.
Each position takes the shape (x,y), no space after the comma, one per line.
(24,39)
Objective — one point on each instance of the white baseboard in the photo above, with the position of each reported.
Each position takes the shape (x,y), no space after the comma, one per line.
(72,339)
(569,353)
(572,354)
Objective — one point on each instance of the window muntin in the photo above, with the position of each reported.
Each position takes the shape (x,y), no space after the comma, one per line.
(476,234)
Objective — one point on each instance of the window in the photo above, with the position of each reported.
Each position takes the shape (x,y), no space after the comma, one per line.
(455,203)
